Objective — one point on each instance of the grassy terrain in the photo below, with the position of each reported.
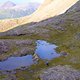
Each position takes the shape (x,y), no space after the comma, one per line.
(68,40)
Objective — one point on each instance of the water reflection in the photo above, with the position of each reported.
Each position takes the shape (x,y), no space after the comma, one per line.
(46,50)
(16,62)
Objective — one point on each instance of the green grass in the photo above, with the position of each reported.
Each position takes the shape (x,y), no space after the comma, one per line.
(2,77)
(66,40)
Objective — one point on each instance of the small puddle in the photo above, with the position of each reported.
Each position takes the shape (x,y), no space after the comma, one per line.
(44,50)
(16,62)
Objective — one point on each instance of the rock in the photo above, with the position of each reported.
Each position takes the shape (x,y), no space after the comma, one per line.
(60,73)
(77,37)
(35,57)
(8,75)
(4,47)
(63,53)
(24,42)
(23,51)
(15,48)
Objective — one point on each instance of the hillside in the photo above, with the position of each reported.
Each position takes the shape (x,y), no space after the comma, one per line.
(49,9)
(53,8)
(62,30)
(71,14)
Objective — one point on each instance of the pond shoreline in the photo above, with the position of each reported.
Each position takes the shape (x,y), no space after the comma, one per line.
(44,51)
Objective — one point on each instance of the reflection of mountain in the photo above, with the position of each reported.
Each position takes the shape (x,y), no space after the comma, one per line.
(11,10)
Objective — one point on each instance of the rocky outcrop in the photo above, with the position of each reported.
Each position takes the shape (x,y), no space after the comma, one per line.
(15,48)
(60,73)
(4,47)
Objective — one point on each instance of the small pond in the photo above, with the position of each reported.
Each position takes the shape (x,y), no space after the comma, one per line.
(16,62)
(44,50)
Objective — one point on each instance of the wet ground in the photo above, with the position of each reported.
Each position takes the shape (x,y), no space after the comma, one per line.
(44,50)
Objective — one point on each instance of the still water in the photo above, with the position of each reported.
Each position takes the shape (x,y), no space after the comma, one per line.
(44,50)
(16,62)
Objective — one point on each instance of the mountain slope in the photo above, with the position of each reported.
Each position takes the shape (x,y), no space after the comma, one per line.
(62,30)
(71,15)
(50,8)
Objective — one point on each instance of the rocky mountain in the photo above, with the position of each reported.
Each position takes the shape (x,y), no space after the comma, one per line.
(62,30)
(11,10)
(48,9)
(72,14)
(7,5)
(65,25)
